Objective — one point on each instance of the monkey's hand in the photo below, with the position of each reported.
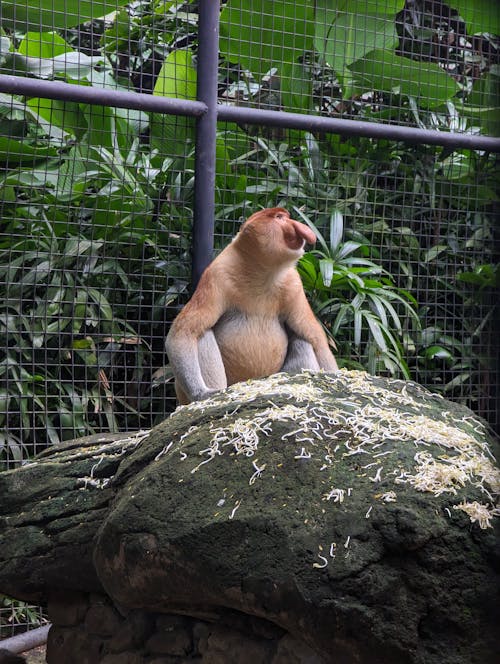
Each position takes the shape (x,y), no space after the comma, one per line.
(205,394)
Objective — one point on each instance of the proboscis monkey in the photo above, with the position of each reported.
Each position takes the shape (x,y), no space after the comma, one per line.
(249,316)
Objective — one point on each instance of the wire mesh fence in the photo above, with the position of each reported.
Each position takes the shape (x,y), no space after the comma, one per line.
(97,201)
(17,617)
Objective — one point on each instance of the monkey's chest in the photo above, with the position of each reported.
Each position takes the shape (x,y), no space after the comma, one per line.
(251,346)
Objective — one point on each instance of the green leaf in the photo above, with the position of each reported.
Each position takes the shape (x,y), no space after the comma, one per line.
(276,35)
(107,129)
(379,307)
(437,352)
(344,38)
(479,15)
(43,45)
(177,78)
(344,311)
(430,335)
(64,115)
(426,81)
(23,16)
(347,248)
(394,315)
(336,229)
(136,119)
(375,329)
(21,152)
(326,268)
(83,344)
(358,315)
(165,5)
(315,158)
(483,104)
(375,7)
(106,310)
(457,382)
(434,252)
(73,64)
(307,272)
(78,246)
(483,276)
(372,268)
(358,301)
(5,398)
(296,88)
(5,45)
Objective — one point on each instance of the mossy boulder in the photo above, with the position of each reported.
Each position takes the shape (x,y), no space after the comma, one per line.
(357,513)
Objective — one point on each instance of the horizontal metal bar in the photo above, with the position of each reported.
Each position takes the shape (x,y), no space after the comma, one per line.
(240,114)
(32,87)
(313,123)
(26,640)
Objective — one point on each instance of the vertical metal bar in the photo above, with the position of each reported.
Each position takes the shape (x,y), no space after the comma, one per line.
(206,128)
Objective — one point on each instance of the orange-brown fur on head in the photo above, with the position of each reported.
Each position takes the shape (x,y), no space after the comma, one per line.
(271,235)
(249,316)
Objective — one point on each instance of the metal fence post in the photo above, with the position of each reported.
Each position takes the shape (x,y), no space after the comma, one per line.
(206,130)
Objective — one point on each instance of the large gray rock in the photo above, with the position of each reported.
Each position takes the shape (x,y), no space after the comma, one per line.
(357,513)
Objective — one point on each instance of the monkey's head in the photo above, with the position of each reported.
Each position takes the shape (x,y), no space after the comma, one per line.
(274,237)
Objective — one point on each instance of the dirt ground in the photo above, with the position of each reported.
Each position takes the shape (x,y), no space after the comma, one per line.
(35,656)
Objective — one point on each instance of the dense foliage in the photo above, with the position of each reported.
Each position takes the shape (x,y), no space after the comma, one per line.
(97,202)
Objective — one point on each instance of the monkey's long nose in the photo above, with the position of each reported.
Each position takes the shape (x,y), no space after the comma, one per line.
(304,232)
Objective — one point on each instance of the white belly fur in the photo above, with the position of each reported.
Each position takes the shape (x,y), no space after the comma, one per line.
(251,346)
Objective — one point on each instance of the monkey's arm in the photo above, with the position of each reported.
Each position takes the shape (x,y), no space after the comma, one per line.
(304,326)
(191,345)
